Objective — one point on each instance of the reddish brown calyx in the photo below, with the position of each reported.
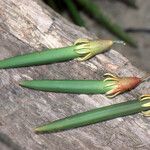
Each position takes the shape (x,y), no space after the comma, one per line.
(121,84)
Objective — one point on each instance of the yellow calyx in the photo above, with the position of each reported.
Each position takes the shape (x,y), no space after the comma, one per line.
(142,98)
(87,48)
(114,80)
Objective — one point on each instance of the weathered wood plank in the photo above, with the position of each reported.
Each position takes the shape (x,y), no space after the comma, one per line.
(29,26)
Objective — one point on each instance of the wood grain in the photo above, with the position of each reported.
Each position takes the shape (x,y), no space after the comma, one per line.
(29,26)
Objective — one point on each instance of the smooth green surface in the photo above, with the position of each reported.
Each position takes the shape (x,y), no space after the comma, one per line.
(39,58)
(114,28)
(95,116)
(69,86)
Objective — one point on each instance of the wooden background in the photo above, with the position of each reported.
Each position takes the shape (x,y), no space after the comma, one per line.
(29,26)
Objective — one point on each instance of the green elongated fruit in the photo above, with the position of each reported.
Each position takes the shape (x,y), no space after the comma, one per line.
(39,58)
(69,86)
(111,85)
(82,49)
(99,115)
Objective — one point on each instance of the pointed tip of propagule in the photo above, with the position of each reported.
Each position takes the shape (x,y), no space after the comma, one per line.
(24,83)
(37,130)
